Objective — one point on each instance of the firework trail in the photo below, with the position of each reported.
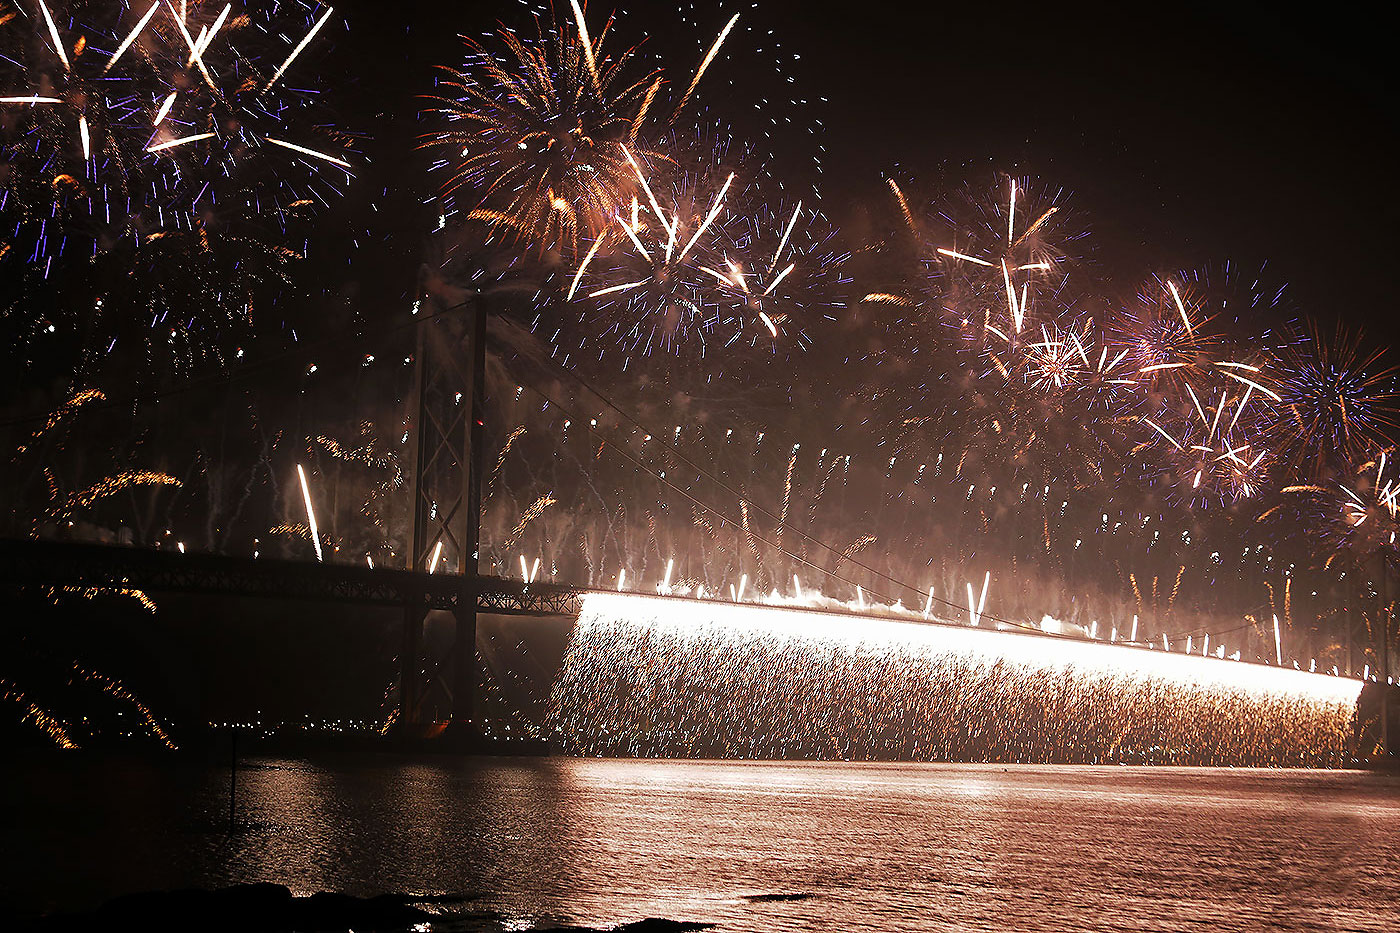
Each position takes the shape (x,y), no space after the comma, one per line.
(35,715)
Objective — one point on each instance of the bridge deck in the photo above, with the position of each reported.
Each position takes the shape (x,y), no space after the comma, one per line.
(78,564)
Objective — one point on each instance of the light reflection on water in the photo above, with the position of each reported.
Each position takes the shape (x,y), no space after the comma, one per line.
(530,842)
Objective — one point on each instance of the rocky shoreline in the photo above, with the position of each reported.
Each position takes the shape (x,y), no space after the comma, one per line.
(272,908)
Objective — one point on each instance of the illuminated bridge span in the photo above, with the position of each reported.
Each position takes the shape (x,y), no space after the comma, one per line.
(675,676)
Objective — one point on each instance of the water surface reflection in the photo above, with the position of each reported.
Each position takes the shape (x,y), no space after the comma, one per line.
(910,847)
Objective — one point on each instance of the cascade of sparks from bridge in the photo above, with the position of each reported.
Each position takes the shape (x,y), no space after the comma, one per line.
(650,677)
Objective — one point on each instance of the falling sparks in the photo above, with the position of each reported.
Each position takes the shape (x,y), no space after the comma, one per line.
(944,693)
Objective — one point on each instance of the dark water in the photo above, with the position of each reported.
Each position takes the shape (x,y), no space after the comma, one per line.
(599,842)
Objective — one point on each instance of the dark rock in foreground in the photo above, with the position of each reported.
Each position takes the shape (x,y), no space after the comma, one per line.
(271,908)
(649,925)
(245,909)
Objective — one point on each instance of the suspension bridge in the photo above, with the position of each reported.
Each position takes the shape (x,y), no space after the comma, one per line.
(446,487)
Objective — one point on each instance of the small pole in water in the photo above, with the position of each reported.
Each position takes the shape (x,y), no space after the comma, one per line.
(232,776)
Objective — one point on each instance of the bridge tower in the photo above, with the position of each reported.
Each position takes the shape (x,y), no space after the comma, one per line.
(449,388)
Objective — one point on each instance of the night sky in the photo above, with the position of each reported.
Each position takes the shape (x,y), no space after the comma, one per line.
(1187,134)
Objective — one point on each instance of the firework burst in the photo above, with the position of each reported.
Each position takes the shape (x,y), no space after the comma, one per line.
(787,285)
(993,257)
(1359,517)
(1168,338)
(1211,455)
(537,130)
(158,117)
(1029,386)
(159,155)
(534,135)
(692,264)
(1072,358)
(1200,327)
(1337,399)
(656,277)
